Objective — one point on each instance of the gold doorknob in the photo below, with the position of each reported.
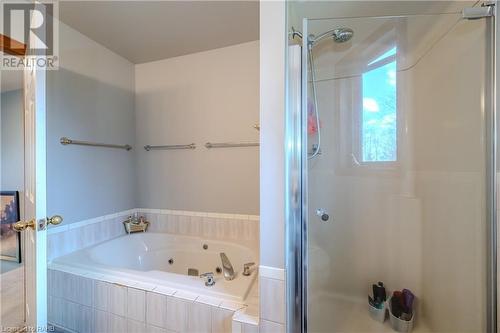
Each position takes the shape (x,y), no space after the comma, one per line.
(20,226)
(55,220)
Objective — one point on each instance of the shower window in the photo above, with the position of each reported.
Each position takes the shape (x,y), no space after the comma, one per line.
(379,110)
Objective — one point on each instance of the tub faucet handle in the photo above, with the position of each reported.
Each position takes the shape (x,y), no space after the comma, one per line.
(246,268)
(209,278)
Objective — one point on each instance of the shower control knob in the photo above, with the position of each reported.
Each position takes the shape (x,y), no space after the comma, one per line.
(322,214)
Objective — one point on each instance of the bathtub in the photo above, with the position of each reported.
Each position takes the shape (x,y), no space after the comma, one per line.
(164,259)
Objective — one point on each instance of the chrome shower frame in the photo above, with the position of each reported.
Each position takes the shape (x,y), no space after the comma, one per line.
(296,161)
(491,120)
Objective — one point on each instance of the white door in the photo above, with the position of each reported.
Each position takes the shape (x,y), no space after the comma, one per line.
(35,202)
(35,195)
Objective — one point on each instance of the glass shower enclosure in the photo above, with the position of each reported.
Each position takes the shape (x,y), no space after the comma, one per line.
(391,173)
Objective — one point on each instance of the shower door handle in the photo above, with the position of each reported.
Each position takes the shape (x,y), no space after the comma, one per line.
(323,214)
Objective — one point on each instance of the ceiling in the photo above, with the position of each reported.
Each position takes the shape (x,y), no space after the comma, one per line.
(143,31)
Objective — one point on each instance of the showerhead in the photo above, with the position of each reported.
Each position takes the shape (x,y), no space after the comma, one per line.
(339,35)
(342,35)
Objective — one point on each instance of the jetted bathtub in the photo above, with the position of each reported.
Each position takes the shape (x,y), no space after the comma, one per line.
(164,260)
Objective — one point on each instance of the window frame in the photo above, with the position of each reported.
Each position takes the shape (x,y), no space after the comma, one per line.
(358,118)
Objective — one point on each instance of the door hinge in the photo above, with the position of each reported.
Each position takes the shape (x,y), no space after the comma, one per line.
(474,13)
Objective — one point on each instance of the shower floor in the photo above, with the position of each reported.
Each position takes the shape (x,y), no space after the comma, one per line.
(330,313)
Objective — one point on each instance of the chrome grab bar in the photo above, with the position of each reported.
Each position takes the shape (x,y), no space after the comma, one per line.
(170,147)
(231,144)
(66,141)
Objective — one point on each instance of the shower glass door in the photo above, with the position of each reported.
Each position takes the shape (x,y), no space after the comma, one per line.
(396,187)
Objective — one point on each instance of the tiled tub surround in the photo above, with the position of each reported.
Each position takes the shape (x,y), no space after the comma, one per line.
(80,301)
(67,238)
(243,229)
(73,309)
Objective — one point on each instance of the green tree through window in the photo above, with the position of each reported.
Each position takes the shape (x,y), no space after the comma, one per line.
(379,115)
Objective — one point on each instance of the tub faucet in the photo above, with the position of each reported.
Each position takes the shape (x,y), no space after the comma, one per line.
(227,267)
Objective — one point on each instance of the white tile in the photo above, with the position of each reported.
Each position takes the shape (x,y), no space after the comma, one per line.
(70,314)
(161,224)
(85,321)
(271,327)
(183,224)
(164,290)
(144,286)
(234,230)
(50,310)
(117,302)
(272,300)
(93,275)
(245,317)
(187,296)
(271,272)
(248,230)
(177,313)
(83,290)
(101,295)
(221,320)
(136,301)
(156,309)
(195,223)
(154,329)
(220,228)
(101,320)
(172,224)
(209,227)
(240,217)
(50,281)
(94,233)
(56,307)
(135,326)
(208,300)
(58,284)
(233,306)
(249,328)
(151,218)
(199,318)
(67,285)
(117,324)
(237,327)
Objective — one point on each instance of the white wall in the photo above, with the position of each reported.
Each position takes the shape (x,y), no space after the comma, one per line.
(272,166)
(12,141)
(207,96)
(90,97)
(272,133)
